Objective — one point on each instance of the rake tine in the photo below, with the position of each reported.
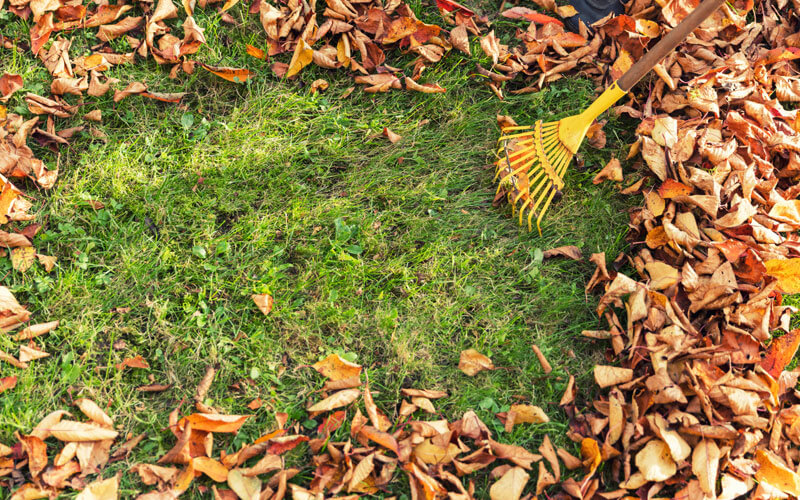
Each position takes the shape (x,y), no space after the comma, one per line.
(544,209)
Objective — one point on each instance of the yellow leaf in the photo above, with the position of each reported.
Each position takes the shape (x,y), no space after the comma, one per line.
(302,57)
(788,273)
(102,489)
(336,368)
(248,488)
(22,258)
(776,474)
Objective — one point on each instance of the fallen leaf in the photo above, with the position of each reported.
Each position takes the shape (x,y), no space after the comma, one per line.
(22,258)
(654,461)
(472,362)
(606,376)
(336,400)
(336,368)
(67,430)
(102,489)
(570,251)
(393,138)
(510,486)
(235,75)
(302,57)
(135,362)
(264,302)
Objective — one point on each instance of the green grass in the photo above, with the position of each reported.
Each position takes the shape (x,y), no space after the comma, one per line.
(391,254)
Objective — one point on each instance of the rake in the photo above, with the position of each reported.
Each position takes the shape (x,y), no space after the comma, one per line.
(533,159)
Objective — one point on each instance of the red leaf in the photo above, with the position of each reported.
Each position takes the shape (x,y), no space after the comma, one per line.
(530,15)
(450,6)
(331,423)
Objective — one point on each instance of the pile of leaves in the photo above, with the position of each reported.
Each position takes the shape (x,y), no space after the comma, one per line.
(697,400)
(433,455)
(12,316)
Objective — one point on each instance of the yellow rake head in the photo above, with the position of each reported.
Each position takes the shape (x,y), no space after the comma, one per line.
(531,168)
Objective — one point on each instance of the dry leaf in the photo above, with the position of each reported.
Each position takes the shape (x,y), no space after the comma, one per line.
(472,362)
(510,486)
(264,302)
(393,138)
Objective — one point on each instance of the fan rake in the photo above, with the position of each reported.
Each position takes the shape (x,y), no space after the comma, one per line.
(533,159)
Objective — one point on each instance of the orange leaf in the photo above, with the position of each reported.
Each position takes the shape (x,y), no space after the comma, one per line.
(136,362)
(256,52)
(235,75)
(213,422)
(336,368)
(7,383)
(255,404)
(780,352)
(382,438)
(672,188)
(211,468)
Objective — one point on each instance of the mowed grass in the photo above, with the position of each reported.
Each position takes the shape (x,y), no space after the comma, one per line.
(391,255)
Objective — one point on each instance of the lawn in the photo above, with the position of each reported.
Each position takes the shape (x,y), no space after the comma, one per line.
(391,255)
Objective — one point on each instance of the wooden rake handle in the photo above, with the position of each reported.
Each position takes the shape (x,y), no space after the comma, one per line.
(667,44)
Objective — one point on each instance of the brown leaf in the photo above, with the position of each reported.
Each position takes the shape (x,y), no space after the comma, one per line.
(570,251)
(155,474)
(362,471)
(382,438)
(336,400)
(135,362)
(393,138)
(67,430)
(264,302)
(612,172)
(423,393)
(705,465)
(472,362)
(460,40)
(36,451)
(93,412)
(9,83)
(132,89)
(37,330)
(491,47)
(606,376)
(31,353)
